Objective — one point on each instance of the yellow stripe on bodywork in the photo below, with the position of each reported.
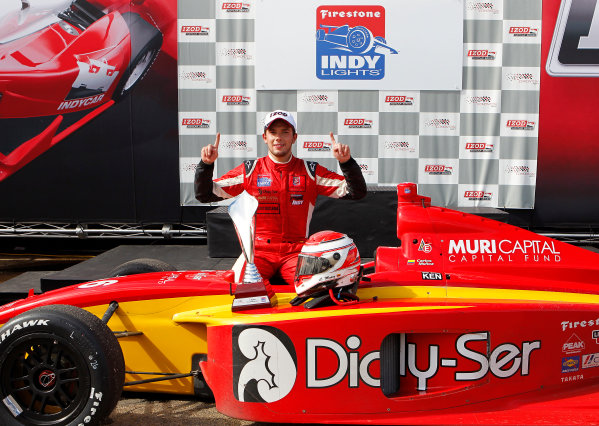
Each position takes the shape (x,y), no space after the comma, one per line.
(468,294)
(524,296)
(222,315)
(226,317)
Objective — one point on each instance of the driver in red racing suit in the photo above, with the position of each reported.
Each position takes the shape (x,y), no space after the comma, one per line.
(286,188)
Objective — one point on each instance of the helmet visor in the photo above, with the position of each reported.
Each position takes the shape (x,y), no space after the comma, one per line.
(310,265)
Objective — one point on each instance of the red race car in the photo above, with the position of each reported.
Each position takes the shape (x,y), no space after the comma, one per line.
(467,320)
(62,56)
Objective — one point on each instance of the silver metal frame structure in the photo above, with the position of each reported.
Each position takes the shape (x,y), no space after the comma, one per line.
(179,230)
(103,230)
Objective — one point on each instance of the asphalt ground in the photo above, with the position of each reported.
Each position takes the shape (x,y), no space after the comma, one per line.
(155,410)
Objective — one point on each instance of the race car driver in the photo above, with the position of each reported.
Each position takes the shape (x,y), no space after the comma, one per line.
(286,188)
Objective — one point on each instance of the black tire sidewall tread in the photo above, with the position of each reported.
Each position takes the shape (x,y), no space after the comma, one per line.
(90,338)
(141,266)
(144,37)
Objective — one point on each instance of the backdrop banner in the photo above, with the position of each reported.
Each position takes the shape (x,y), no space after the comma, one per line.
(372,73)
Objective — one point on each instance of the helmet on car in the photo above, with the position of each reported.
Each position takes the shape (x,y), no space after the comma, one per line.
(328,260)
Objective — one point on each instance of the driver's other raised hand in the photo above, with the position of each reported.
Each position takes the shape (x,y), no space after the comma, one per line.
(210,152)
(340,151)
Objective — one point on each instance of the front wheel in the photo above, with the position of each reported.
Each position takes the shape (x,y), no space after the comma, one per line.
(359,40)
(146,41)
(59,365)
(141,266)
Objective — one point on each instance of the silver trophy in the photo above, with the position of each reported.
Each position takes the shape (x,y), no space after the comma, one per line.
(243,213)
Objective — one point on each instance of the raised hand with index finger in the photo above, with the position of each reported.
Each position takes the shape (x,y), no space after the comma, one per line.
(210,152)
(340,151)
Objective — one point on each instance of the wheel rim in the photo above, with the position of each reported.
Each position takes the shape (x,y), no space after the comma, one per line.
(357,39)
(138,71)
(46,378)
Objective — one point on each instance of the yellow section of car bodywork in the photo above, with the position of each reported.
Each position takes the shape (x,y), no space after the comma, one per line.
(171,330)
(164,346)
(222,315)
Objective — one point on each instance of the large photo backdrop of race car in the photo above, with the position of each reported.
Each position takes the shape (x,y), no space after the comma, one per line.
(88,134)
(87,105)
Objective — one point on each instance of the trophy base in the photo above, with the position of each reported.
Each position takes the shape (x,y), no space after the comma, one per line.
(253,296)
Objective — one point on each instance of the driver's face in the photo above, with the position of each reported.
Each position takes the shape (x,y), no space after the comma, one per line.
(280,137)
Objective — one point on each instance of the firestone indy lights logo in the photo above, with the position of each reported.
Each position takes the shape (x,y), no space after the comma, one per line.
(264,364)
(350,42)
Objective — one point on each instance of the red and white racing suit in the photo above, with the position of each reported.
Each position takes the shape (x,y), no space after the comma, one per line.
(286,194)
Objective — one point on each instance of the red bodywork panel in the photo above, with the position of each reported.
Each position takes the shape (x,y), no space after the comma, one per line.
(339,365)
(520,336)
(156,285)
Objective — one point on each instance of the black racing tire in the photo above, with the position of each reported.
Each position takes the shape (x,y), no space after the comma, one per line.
(59,365)
(141,266)
(146,41)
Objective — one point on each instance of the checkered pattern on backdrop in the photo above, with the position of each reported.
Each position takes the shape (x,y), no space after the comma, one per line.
(471,148)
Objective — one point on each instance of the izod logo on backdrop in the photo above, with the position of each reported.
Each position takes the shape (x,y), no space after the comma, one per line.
(350,42)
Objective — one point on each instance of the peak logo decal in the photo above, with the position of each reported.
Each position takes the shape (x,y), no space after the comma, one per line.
(350,42)
(264,364)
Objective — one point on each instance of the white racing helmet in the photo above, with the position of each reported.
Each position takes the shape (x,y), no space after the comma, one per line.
(328,260)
